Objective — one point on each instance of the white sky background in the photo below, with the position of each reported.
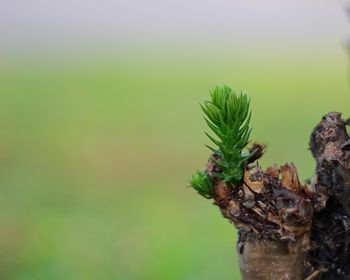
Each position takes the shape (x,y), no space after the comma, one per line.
(26,24)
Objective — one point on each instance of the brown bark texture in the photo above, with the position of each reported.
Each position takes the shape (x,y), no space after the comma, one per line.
(288,229)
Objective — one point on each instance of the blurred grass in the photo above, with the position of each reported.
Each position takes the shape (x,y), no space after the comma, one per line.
(95,157)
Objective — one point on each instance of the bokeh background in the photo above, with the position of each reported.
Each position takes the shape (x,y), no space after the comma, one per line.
(101,128)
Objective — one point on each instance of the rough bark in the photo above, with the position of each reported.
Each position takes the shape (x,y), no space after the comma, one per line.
(330,236)
(273,214)
(290,230)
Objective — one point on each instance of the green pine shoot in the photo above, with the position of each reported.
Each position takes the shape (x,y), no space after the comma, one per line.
(202,184)
(227,115)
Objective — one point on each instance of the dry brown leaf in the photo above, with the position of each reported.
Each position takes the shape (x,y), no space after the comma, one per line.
(273,171)
(290,179)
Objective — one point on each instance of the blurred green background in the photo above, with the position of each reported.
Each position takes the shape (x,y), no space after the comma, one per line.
(97,148)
